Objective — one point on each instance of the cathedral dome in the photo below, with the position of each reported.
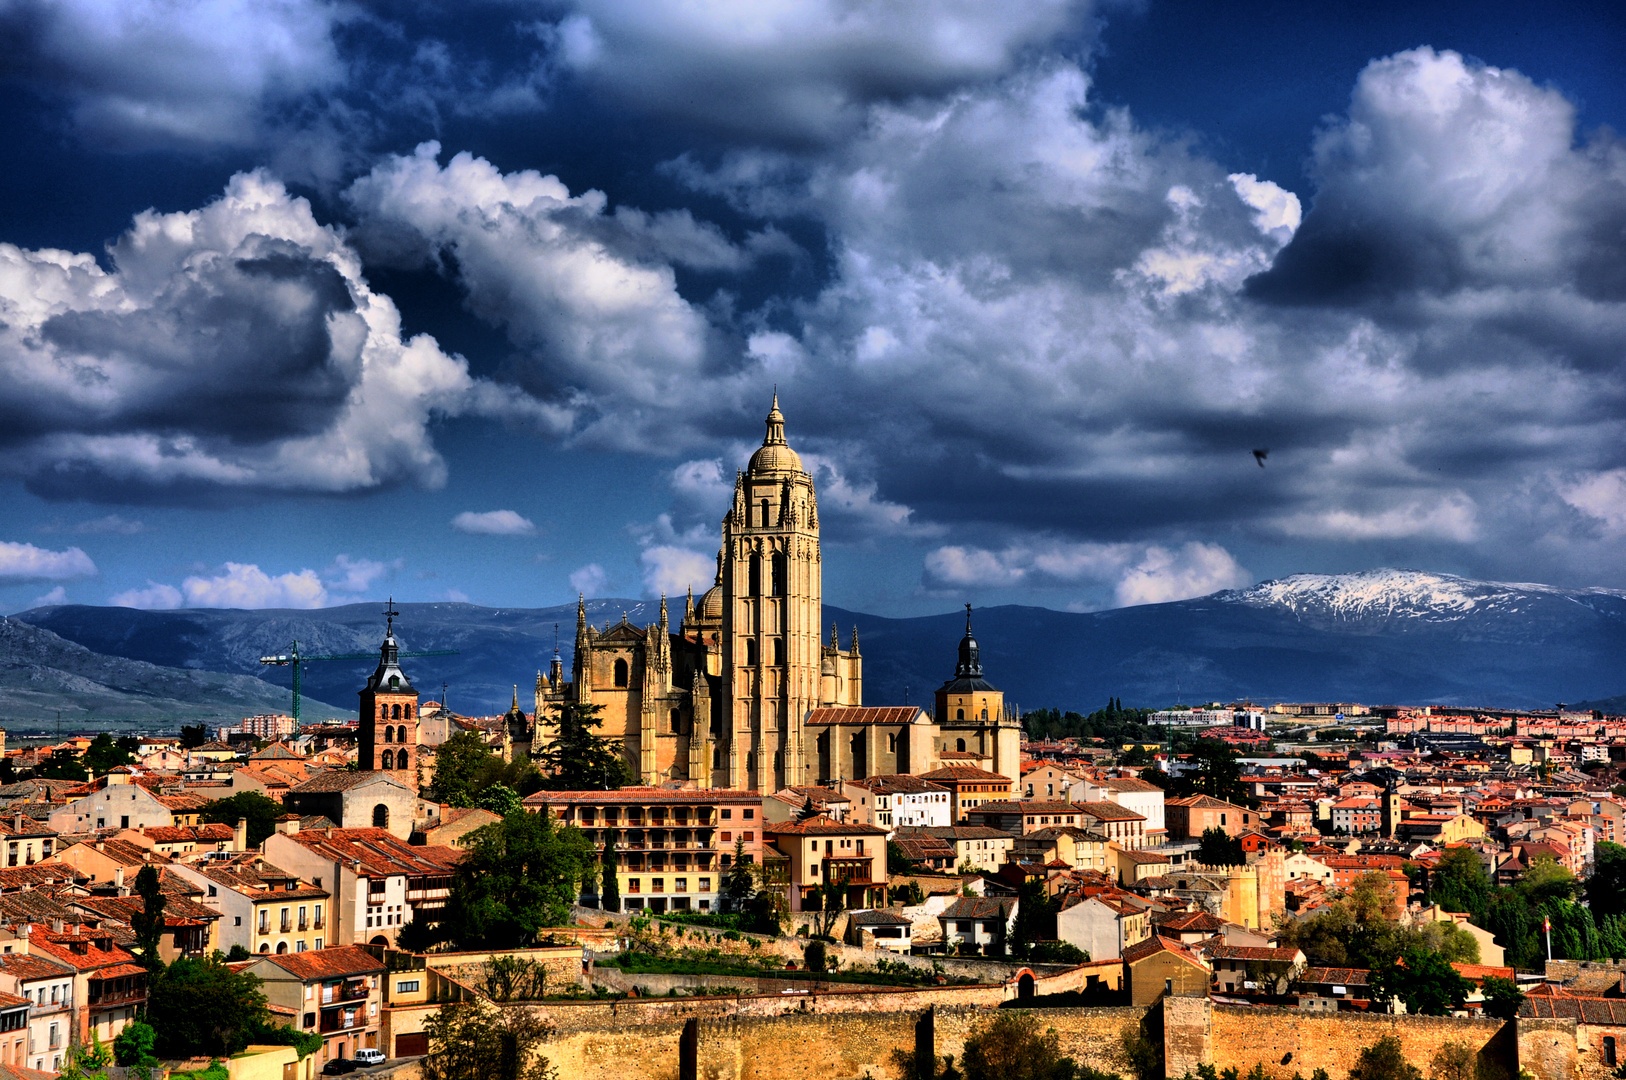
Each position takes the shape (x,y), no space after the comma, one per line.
(710,605)
(775,456)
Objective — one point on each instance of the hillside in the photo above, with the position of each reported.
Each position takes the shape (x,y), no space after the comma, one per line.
(1378,637)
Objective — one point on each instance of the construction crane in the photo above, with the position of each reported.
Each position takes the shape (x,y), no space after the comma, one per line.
(295,660)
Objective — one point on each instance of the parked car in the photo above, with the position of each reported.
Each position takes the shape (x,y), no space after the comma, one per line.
(367,1056)
(338,1067)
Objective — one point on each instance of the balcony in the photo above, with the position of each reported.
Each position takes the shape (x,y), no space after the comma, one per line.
(287,925)
(304,924)
(342,1020)
(108,998)
(335,995)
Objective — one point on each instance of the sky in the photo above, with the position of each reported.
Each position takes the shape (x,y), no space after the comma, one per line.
(305,303)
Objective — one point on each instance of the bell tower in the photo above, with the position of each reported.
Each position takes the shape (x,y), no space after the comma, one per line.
(389,714)
(772,593)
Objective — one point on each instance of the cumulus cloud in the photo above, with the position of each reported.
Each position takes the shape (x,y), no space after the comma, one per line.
(1450,515)
(669,571)
(244,585)
(155,597)
(1137,573)
(58,595)
(494,523)
(142,72)
(589,580)
(234,348)
(357,575)
(797,72)
(1601,496)
(25,563)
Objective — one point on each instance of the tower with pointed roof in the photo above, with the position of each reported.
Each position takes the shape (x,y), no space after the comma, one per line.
(972,717)
(389,714)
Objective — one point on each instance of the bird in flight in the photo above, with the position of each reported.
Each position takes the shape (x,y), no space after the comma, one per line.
(1260,456)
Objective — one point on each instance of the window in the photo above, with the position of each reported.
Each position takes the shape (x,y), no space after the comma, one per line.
(748,815)
(400,759)
(389,734)
(727,814)
(388,760)
(680,884)
(778,651)
(677,721)
(395,712)
(381,816)
(657,884)
(407,986)
(959,744)
(779,574)
(383,712)
(750,652)
(747,837)
(621,673)
(959,714)
(124,821)
(705,884)
(728,838)
(406,712)
(756,561)
(633,884)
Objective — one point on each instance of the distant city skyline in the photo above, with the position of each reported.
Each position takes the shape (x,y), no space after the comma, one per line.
(1073,305)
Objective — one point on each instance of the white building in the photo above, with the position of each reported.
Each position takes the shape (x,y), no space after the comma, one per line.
(1131,793)
(899,801)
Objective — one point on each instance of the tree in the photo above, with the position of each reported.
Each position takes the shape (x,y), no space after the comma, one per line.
(1502,997)
(808,810)
(1453,1061)
(1606,888)
(1009,1046)
(832,902)
(739,885)
(62,765)
(500,799)
(1461,883)
(148,923)
(262,814)
(1035,918)
(86,1061)
(1384,1060)
(1425,981)
(514,978)
(474,1040)
(814,956)
(104,755)
(459,761)
(521,875)
(202,1005)
(134,1045)
(610,892)
(193,735)
(1220,848)
(579,759)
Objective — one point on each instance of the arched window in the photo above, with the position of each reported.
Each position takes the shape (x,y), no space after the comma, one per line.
(756,574)
(282,947)
(959,744)
(677,721)
(401,761)
(778,651)
(381,816)
(621,673)
(400,734)
(779,573)
(750,652)
(406,711)
(266,947)
(388,760)
(985,714)
(389,733)
(959,714)
(395,712)
(763,519)
(383,712)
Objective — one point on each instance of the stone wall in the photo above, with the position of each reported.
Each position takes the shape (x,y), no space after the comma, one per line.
(1288,1041)
(1091,1037)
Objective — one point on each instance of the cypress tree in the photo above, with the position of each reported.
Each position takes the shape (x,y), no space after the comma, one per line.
(610,894)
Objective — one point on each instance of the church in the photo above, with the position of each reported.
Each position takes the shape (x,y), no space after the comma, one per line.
(744,692)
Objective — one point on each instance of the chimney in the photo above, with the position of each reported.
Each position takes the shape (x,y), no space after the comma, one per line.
(118,879)
(240,835)
(17,822)
(56,926)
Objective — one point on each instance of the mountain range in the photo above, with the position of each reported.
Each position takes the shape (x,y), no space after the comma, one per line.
(1381,636)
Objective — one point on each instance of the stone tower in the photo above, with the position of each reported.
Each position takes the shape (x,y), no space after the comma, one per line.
(772,596)
(389,714)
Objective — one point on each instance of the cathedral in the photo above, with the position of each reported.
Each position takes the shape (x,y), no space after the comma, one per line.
(744,693)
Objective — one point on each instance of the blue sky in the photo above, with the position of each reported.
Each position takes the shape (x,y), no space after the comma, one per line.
(304,302)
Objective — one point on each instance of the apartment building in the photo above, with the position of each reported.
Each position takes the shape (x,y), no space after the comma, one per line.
(822,852)
(262,908)
(47,986)
(899,801)
(672,847)
(969,787)
(335,993)
(375,881)
(109,987)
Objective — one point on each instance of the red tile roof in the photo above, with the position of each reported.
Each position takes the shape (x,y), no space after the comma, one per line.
(341,961)
(888,714)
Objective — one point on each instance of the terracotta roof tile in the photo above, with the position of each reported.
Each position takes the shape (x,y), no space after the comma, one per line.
(335,963)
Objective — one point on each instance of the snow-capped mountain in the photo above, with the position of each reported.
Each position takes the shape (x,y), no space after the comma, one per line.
(1388,594)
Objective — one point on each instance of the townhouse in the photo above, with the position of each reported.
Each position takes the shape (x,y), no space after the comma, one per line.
(335,993)
(375,882)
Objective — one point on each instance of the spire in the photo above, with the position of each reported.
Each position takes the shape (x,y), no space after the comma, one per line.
(663,613)
(835,641)
(776,424)
(515,707)
(970,666)
(581,612)
(855,639)
(688,605)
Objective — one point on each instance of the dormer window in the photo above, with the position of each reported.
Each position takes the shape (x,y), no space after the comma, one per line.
(395,682)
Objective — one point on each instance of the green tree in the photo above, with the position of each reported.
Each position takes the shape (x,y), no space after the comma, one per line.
(203,1006)
(578,758)
(739,884)
(148,923)
(262,814)
(1010,1046)
(1502,997)
(610,891)
(514,978)
(808,811)
(1606,888)
(1384,1060)
(193,735)
(1461,883)
(62,765)
(1035,918)
(1220,848)
(1425,981)
(520,876)
(814,956)
(459,762)
(500,799)
(86,1061)
(104,755)
(1454,1060)
(474,1040)
(134,1045)
(1218,774)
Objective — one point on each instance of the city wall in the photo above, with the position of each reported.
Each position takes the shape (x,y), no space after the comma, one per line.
(1288,1041)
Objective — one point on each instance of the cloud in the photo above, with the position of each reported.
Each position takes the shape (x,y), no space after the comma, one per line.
(155,597)
(112,523)
(589,580)
(244,585)
(56,596)
(145,72)
(24,563)
(1138,573)
(494,523)
(1601,496)
(669,571)
(233,349)
(797,72)
(457,596)
(357,575)
(1449,516)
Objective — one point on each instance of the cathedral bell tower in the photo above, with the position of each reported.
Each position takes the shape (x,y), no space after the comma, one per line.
(389,714)
(772,593)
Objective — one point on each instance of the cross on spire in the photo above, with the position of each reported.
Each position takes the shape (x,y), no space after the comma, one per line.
(389,616)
